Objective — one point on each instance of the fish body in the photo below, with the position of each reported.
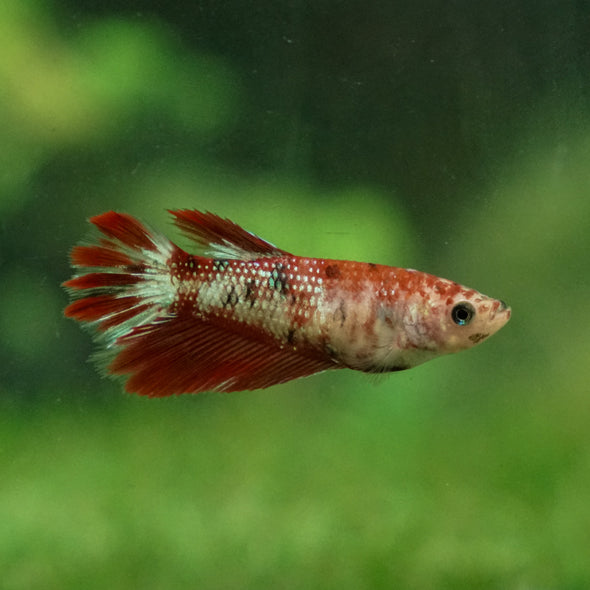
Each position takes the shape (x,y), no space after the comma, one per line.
(244,314)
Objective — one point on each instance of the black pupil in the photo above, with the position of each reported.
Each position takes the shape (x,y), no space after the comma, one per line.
(462,313)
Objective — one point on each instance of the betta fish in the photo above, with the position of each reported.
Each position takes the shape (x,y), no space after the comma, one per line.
(243,314)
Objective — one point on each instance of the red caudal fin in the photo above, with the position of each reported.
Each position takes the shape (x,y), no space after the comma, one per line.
(123,280)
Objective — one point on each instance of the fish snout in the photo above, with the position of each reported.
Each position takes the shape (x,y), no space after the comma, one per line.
(502,309)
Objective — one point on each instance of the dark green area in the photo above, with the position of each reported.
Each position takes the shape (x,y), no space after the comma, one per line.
(447,137)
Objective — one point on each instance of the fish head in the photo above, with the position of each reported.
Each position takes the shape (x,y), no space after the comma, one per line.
(431,317)
(459,317)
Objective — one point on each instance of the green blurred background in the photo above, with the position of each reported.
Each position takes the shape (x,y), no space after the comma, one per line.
(450,137)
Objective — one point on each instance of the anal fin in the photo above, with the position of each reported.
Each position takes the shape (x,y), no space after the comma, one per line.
(185,354)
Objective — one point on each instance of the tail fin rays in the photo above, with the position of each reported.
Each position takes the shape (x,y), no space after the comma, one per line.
(124,280)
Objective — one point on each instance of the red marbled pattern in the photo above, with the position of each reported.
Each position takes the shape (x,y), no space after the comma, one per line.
(249,315)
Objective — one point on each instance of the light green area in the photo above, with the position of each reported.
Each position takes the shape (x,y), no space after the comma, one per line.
(472,471)
(328,483)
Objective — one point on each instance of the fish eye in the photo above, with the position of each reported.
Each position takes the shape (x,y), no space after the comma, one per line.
(463,313)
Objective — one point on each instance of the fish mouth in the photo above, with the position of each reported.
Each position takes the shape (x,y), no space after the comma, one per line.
(502,310)
(506,309)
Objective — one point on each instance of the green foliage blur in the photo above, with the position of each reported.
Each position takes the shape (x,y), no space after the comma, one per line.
(446,137)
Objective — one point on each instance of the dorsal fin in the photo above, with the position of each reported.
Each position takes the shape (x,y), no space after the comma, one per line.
(222,238)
